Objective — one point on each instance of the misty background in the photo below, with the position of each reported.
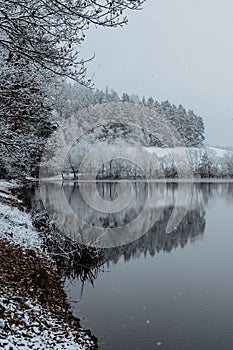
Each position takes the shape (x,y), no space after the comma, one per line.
(179,50)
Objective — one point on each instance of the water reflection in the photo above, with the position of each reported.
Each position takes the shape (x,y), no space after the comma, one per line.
(181,300)
(156,239)
(191,228)
(139,206)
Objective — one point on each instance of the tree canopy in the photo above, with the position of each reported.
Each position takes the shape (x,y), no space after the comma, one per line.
(50,32)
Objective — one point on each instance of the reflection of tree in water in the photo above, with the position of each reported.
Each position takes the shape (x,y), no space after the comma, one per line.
(109,191)
(76,261)
(215,190)
(190,229)
(156,240)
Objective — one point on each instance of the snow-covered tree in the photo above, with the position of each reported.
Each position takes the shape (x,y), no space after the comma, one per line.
(25,107)
(150,102)
(114,96)
(228,164)
(205,166)
(50,32)
(188,124)
(125,97)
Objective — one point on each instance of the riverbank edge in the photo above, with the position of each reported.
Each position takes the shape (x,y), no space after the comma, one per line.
(33,302)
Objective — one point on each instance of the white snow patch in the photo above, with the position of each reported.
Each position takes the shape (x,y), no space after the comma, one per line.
(218,151)
(32,327)
(16,227)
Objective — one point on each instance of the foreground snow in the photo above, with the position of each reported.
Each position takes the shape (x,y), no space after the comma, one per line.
(16,227)
(24,322)
(30,327)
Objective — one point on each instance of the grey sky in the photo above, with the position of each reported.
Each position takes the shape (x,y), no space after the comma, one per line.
(180,50)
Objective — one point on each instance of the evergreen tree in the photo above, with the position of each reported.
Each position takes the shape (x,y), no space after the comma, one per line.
(125,97)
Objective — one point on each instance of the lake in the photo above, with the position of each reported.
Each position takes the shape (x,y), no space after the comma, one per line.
(162,290)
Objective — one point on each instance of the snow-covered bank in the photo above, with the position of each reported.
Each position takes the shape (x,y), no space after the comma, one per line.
(34,313)
(15,224)
(26,325)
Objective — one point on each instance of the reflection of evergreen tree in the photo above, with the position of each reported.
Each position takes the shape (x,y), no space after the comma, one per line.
(156,240)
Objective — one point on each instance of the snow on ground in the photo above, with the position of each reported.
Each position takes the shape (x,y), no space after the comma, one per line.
(15,225)
(31,327)
(218,151)
(7,185)
(163,152)
(24,322)
(216,157)
(160,152)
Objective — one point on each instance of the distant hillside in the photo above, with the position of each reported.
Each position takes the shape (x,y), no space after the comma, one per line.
(189,126)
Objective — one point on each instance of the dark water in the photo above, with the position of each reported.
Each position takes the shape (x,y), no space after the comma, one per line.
(163,291)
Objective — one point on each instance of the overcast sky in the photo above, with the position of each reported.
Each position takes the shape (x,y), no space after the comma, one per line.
(176,50)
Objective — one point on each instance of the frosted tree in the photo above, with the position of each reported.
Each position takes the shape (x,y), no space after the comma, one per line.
(134,99)
(125,97)
(50,32)
(228,164)
(188,124)
(25,106)
(150,102)
(99,96)
(205,166)
(114,96)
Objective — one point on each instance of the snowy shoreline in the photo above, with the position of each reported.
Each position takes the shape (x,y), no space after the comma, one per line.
(34,313)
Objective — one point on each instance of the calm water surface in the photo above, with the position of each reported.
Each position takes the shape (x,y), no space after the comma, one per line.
(163,291)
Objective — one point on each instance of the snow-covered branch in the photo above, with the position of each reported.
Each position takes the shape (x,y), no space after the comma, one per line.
(50,32)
